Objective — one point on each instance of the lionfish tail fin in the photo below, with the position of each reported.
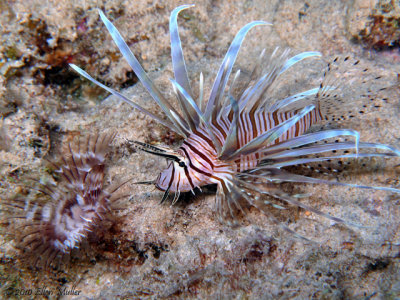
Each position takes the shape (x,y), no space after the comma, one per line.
(348,78)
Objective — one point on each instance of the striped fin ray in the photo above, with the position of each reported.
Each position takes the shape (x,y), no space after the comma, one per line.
(238,198)
(299,57)
(231,141)
(252,98)
(199,114)
(251,94)
(201,92)
(191,116)
(298,161)
(126,100)
(294,98)
(291,99)
(228,205)
(243,85)
(175,118)
(284,176)
(254,186)
(225,105)
(315,137)
(178,60)
(226,69)
(229,201)
(255,98)
(320,148)
(179,67)
(274,191)
(220,108)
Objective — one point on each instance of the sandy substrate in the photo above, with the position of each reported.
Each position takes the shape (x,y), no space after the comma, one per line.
(161,251)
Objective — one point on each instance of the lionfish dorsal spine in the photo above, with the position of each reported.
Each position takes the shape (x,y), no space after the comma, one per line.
(178,61)
(226,68)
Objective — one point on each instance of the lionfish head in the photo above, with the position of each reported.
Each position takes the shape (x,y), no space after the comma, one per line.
(176,168)
(185,170)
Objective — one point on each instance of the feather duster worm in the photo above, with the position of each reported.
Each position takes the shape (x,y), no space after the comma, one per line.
(50,230)
(242,139)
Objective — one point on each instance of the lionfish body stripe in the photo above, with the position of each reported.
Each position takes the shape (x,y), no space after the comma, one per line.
(203,160)
(241,137)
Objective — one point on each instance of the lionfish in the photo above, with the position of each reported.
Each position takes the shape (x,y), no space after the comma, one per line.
(243,142)
(50,230)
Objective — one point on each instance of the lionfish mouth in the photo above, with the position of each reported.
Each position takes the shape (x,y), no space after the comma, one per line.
(166,153)
(149,182)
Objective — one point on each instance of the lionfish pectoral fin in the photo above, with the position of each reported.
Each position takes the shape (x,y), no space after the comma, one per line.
(285,176)
(262,205)
(299,57)
(293,99)
(165,196)
(310,138)
(293,162)
(293,201)
(237,197)
(257,98)
(122,97)
(176,197)
(276,193)
(225,212)
(231,202)
(176,119)
(243,92)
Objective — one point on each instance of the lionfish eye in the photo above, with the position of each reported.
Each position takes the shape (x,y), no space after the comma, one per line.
(182,164)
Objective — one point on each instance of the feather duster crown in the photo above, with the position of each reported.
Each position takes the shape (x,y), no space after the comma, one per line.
(242,139)
(50,230)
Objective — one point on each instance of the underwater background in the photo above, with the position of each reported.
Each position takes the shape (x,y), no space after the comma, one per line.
(182,251)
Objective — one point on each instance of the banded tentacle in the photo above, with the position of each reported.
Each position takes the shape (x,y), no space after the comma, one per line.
(48,229)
